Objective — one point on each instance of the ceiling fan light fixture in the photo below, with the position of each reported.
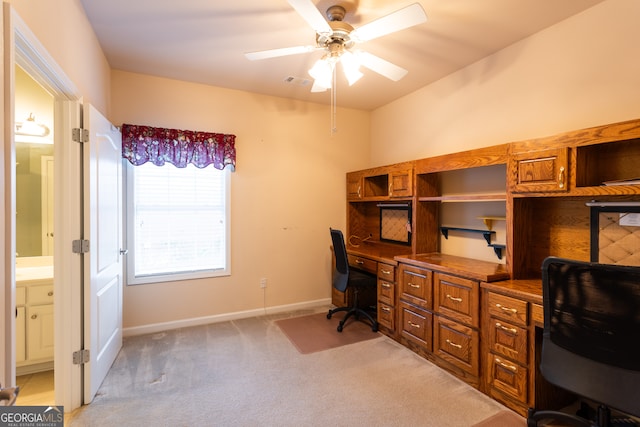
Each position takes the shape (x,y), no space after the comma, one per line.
(322,71)
(351,67)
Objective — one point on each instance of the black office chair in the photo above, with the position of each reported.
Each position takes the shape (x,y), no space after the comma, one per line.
(591,340)
(345,278)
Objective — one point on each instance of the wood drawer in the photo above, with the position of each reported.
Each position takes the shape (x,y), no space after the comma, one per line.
(508,340)
(386,316)
(416,286)
(457,298)
(537,314)
(457,344)
(386,292)
(362,263)
(38,295)
(416,325)
(508,308)
(387,272)
(507,377)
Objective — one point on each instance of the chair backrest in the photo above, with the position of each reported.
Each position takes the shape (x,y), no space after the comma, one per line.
(341,268)
(591,340)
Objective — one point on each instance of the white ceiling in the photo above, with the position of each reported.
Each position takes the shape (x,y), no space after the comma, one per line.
(204,41)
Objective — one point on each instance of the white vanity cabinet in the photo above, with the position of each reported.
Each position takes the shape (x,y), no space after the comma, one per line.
(34,323)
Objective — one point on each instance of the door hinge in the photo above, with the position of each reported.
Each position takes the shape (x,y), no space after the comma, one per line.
(80,246)
(80,135)
(81,357)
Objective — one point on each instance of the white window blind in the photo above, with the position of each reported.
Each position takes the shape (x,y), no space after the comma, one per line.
(178,223)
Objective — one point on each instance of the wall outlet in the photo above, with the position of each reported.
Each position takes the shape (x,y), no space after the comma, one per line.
(263,282)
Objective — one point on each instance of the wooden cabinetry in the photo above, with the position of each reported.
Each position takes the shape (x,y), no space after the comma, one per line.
(34,326)
(545,170)
(439,309)
(387,298)
(482,216)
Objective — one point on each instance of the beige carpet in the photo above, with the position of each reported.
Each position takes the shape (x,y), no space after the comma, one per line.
(503,419)
(315,332)
(247,373)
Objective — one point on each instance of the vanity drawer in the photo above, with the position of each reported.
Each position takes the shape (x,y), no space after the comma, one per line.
(457,298)
(508,308)
(386,292)
(507,377)
(508,340)
(416,325)
(21,296)
(386,316)
(42,294)
(457,344)
(387,272)
(362,263)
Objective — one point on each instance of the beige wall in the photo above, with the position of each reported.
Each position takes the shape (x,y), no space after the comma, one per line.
(582,72)
(62,27)
(287,190)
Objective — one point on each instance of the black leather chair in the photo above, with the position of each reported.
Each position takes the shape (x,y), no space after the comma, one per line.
(345,278)
(591,340)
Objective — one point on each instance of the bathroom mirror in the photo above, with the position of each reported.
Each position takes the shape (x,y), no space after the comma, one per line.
(34,199)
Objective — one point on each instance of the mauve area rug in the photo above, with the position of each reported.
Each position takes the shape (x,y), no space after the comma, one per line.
(314,332)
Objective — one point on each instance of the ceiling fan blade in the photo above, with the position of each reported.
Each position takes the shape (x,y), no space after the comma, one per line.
(380,66)
(274,53)
(312,15)
(399,20)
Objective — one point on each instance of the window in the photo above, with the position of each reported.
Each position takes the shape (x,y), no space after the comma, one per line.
(177,223)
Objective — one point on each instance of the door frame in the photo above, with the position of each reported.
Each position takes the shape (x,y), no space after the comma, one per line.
(21,47)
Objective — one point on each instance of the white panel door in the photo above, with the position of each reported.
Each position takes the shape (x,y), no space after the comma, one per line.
(103,229)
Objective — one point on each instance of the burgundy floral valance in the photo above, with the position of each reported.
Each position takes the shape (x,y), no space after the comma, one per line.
(142,144)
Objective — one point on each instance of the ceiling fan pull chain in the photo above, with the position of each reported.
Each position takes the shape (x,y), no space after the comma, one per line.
(334,100)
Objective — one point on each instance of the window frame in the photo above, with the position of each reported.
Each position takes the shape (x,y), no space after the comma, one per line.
(129,236)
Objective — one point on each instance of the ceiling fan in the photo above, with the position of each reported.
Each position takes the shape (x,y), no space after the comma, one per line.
(337,39)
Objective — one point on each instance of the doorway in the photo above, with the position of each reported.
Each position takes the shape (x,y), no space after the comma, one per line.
(35,177)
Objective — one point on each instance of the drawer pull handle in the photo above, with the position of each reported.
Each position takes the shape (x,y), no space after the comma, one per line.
(385,285)
(34,316)
(413,285)
(387,309)
(561,177)
(358,261)
(414,325)
(499,325)
(452,344)
(506,365)
(502,307)
(50,293)
(385,271)
(454,298)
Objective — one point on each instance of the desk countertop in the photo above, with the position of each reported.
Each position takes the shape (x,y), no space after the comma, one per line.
(465,267)
(526,289)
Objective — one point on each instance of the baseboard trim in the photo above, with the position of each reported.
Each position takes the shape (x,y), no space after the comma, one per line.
(205,320)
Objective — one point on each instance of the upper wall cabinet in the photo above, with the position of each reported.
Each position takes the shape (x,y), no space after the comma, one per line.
(379,184)
(540,171)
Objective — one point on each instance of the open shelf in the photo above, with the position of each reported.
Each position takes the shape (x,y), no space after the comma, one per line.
(487,234)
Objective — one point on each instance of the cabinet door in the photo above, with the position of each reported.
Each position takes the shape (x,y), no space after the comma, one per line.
(401,183)
(540,171)
(21,353)
(40,332)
